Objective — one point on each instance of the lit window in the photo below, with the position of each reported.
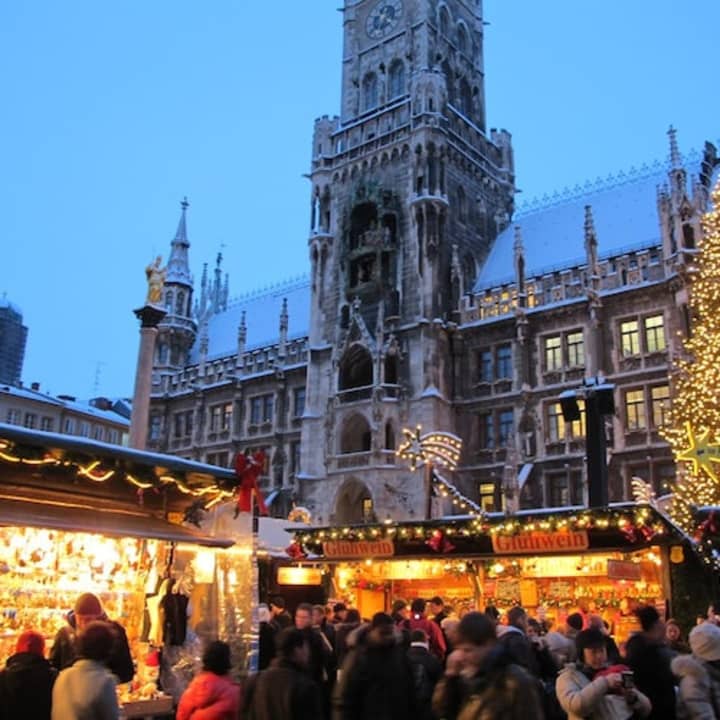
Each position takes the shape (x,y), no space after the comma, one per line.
(298,402)
(635,410)
(660,398)
(577,427)
(553,353)
(630,338)
(555,423)
(487,431)
(367,509)
(655,333)
(575,349)
(485,366)
(487,496)
(503,362)
(505,427)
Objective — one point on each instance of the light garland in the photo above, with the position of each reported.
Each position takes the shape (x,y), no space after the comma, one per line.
(448,490)
(694,432)
(438,448)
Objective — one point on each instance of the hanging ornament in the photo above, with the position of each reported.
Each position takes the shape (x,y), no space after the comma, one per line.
(439,543)
(248,469)
(708,527)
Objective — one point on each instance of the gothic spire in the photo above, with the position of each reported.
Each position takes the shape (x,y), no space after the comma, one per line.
(178,267)
(675,160)
(282,344)
(242,337)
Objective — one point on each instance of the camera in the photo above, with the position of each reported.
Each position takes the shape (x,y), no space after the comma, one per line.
(628,679)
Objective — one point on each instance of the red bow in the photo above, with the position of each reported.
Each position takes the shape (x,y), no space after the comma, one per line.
(439,543)
(248,469)
(295,550)
(708,527)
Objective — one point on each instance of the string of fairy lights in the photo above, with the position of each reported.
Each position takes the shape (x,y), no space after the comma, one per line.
(94,471)
(694,428)
(638,521)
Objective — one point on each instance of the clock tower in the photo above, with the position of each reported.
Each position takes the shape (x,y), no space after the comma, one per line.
(409,190)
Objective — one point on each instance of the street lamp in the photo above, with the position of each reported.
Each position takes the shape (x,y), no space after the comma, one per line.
(433,448)
(599,402)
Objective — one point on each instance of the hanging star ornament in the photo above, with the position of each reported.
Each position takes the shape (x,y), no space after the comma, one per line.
(700,453)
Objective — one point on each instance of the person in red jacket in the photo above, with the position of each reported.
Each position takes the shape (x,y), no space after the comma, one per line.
(212,695)
(418,621)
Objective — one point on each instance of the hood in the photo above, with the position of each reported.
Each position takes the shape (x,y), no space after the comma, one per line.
(688,666)
(23,669)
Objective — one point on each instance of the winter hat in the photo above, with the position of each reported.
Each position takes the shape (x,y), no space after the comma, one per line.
(31,642)
(705,641)
(88,604)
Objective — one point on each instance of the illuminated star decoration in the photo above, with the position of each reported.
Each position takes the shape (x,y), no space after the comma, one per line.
(700,453)
(435,448)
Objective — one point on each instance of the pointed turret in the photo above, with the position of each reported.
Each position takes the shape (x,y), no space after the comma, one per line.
(217,285)
(675,159)
(178,267)
(242,338)
(282,342)
(591,243)
(519,259)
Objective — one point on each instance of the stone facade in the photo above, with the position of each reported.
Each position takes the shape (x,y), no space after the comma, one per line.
(431,301)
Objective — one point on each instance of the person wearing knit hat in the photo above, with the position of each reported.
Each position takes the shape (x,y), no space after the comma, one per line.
(699,673)
(65,650)
(26,682)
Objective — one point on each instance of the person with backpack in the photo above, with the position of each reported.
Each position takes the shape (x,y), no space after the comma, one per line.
(426,671)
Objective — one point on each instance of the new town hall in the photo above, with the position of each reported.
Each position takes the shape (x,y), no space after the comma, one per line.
(431,301)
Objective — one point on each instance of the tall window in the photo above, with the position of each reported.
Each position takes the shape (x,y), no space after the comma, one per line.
(503,360)
(46,423)
(487,431)
(630,338)
(444,21)
(216,418)
(635,410)
(462,39)
(13,416)
(577,427)
(505,427)
(396,79)
(227,413)
(180,303)
(268,407)
(256,405)
(178,425)
(69,427)
(555,423)
(298,402)
(461,204)
(30,420)
(295,458)
(487,496)
(655,333)
(97,432)
(485,366)
(660,400)
(553,353)
(370,91)
(575,349)
(558,490)
(155,421)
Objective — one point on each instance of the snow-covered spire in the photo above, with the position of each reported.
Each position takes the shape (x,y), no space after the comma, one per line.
(675,159)
(178,266)
(519,262)
(241,337)
(282,341)
(217,285)
(590,234)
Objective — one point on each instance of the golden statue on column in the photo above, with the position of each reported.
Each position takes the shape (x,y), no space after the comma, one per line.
(156,281)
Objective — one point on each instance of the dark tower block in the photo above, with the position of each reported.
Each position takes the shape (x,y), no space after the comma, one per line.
(409,190)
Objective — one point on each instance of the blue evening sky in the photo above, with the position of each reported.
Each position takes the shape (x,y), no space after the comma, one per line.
(113,111)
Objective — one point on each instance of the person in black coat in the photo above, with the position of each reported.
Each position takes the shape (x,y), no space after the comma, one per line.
(649,658)
(284,689)
(266,640)
(27,681)
(88,609)
(376,681)
(342,633)
(426,671)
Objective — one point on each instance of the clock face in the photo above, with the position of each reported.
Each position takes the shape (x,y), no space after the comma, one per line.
(383,18)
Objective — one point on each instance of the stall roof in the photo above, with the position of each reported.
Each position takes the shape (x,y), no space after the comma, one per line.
(623,526)
(73,514)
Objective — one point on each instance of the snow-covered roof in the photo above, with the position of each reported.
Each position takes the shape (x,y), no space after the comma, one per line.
(624,210)
(262,318)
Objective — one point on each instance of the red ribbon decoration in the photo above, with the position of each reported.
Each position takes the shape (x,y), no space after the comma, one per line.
(248,469)
(439,543)
(295,550)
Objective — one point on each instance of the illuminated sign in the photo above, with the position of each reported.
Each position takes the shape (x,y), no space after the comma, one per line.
(361,548)
(299,576)
(540,542)
(623,570)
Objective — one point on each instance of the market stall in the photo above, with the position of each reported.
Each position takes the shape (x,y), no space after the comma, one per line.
(80,516)
(552,562)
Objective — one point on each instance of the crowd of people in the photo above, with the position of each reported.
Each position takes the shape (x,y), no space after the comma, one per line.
(418,662)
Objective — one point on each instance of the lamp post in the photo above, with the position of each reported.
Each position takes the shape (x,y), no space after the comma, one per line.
(599,402)
(433,448)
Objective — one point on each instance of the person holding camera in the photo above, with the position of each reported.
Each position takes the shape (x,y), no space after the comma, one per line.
(591,689)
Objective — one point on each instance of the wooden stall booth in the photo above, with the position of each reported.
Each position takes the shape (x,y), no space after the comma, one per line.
(82,516)
(552,562)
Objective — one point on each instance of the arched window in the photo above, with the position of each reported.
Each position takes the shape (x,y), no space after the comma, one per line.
(461,204)
(465,98)
(444,21)
(462,38)
(169,300)
(180,303)
(370,91)
(162,353)
(389,436)
(354,503)
(396,79)
(356,368)
(355,436)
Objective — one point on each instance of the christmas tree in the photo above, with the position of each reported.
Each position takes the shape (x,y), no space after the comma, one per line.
(694,433)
